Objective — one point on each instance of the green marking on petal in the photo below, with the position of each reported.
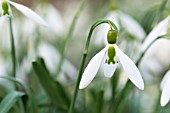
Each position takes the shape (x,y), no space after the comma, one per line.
(5,7)
(112,36)
(168,29)
(111,55)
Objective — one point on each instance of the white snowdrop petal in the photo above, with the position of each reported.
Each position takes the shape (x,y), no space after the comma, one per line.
(2,20)
(132,26)
(130,68)
(109,69)
(92,68)
(164,80)
(159,30)
(165,97)
(29,13)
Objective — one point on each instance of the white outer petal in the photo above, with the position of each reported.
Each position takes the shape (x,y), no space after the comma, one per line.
(109,69)
(2,20)
(165,97)
(29,13)
(132,26)
(130,68)
(164,80)
(92,68)
(159,30)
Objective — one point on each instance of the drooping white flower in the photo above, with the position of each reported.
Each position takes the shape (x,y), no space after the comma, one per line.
(121,20)
(6,10)
(165,87)
(111,55)
(159,30)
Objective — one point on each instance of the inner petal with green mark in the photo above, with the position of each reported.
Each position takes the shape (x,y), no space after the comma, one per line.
(111,55)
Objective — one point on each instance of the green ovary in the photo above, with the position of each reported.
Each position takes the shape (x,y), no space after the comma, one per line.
(5,7)
(112,36)
(111,55)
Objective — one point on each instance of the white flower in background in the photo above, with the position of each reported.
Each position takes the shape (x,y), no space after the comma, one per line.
(165,87)
(56,23)
(3,66)
(155,60)
(159,30)
(124,20)
(111,55)
(51,57)
(6,10)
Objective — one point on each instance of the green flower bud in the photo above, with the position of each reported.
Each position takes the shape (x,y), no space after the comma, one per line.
(112,36)
(111,55)
(5,7)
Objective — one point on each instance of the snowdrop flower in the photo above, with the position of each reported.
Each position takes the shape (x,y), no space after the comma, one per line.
(124,20)
(6,10)
(56,24)
(165,97)
(159,30)
(111,55)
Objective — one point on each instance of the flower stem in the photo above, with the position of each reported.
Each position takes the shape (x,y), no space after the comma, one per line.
(12,48)
(13,54)
(71,107)
(70,34)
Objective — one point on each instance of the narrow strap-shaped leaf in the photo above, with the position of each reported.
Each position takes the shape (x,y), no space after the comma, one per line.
(10,78)
(58,84)
(53,89)
(99,102)
(8,102)
(27,89)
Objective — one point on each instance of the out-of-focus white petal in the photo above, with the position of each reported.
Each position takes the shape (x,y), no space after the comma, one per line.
(29,13)
(50,55)
(3,66)
(92,68)
(54,18)
(159,30)
(132,26)
(165,97)
(130,68)
(109,69)
(164,80)
(114,17)
(0,7)
(2,20)
(69,69)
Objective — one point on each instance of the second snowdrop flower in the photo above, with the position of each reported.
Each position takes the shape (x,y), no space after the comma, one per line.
(165,96)
(111,55)
(6,10)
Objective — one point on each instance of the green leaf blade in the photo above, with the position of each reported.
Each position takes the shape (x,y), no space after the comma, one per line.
(53,88)
(9,101)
